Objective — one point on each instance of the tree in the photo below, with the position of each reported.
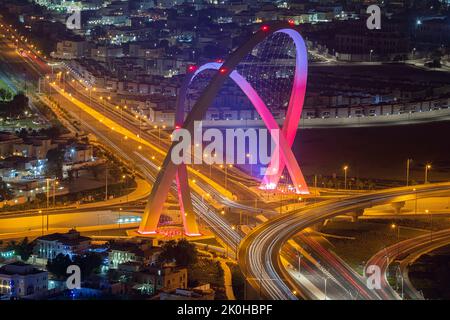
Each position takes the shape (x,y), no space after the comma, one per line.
(8,95)
(186,253)
(58,266)
(5,94)
(182,252)
(11,245)
(55,159)
(88,263)
(168,251)
(2,94)
(6,193)
(23,133)
(52,132)
(24,249)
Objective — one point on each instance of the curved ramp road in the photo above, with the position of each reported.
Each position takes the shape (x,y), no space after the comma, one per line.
(406,252)
(259,252)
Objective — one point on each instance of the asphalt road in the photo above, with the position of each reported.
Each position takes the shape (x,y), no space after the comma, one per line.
(259,253)
(405,253)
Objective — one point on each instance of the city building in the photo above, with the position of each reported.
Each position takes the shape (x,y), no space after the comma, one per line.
(70,243)
(154,279)
(7,143)
(123,252)
(71,49)
(203,292)
(18,280)
(78,152)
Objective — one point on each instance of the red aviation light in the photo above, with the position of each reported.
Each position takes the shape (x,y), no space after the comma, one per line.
(223,70)
(265,28)
(192,68)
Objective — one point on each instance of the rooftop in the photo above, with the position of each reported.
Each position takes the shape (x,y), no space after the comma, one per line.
(73,237)
(19,268)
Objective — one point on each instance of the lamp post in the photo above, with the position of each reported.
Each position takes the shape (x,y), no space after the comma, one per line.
(431,224)
(106,182)
(299,255)
(163,127)
(427,167)
(55,183)
(103,105)
(415,196)
(159,134)
(213,160)
(249,156)
(205,156)
(393,227)
(225,167)
(408,163)
(48,190)
(345,177)
(42,221)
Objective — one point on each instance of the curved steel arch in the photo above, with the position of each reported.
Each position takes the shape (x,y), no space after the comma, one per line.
(169,170)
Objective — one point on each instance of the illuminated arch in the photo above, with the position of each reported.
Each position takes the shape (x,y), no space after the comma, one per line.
(169,170)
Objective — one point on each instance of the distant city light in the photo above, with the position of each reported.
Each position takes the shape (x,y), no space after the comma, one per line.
(192,68)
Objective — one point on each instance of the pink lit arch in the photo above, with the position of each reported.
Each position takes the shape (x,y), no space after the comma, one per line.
(283,151)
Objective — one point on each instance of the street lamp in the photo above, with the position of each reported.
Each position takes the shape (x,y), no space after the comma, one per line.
(408,163)
(427,167)
(225,167)
(103,103)
(325,279)
(248,155)
(431,224)
(159,133)
(42,220)
(393,227)
(345,176)
(299,255)
(55,183)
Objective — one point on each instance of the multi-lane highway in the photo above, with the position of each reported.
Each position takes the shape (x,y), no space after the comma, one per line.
(405,253)
(140,151)
(267,262)
(260,252)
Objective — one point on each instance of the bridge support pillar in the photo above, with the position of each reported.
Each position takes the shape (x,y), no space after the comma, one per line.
(186,208)
(398,206)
